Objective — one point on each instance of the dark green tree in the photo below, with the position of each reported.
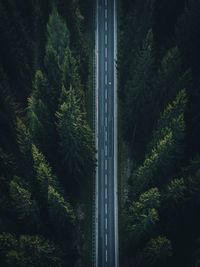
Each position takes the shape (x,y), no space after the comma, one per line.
(166,149)
(158,251)
(23,202)
(143,215)
(28,251)
(141,100)
(76,140)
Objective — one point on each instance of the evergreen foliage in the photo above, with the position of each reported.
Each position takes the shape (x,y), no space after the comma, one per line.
(76,138)
(157,251)
(40,62)
(159,104)
(166,151)
(28,251)
(143,214)
(24,205)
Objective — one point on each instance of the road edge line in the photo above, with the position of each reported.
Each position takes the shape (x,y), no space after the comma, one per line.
(115,138)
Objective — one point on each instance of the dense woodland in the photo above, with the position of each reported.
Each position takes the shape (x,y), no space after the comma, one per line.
(46,143)
(159,94)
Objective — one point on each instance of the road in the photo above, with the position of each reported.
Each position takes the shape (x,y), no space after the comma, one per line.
(106,135)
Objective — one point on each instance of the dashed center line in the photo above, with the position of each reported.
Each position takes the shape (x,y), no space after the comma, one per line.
(106,256)
(106,13)
(106,79)
(106,223)
(106,239)
(106,179)
(106,164)
(106,139)
(106,52)
(106,208)
(106,150)
(106,25)
(106,66)
(106,39)
(106,193)
(106,94)
(106,107)
(106,121)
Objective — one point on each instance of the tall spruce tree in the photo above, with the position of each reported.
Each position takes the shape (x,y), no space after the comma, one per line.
(166,150)
(76,141)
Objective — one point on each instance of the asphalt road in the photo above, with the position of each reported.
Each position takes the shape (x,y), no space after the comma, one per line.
(106,209)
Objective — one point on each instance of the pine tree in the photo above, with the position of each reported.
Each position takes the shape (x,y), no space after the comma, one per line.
(50,192)
(22,201)
(166,149)
(28,250)
(143,215)
(58,35)
(24,141)
(171,77)
(57,43)
(75,139)
(141,100)
(60,64)
(43,172)
(157,252)
(39,114)
(60,211)
(70,73)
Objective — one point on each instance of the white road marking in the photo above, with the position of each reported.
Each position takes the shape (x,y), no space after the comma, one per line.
(106,13)
(106,121)
(106,179)
(106,149)
(106,39)
(115,140)
(106,2)
(106,65)
(97,132)
(106,94)
(106,107)
(106,52)
(106,223)
(102,159)
(106,139)
(106,79)
(106,208)
(106,25)
(106,193)
(106,164)
(106,240)
(106,255)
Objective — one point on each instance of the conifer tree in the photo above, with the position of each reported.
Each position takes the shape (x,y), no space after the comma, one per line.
(143,215)
(158,251)
(50,192)
(39,115)
(57,43)
(60,211)
(75,139)
(166,150)
(23,202)
(28,250)
(141,99)
(43,172)
(60,63)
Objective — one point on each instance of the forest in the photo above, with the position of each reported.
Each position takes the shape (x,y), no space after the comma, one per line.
(47,150)
(47,154)
(159,96)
